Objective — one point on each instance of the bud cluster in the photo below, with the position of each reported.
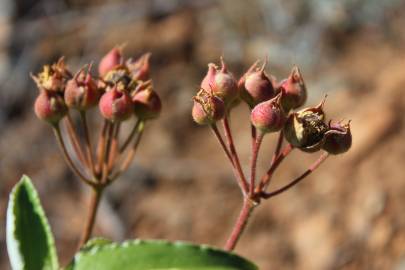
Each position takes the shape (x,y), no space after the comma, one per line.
(121,89)
(274,108)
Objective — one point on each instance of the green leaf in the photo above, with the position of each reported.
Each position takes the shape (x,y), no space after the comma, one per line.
(157,255)
(30,242)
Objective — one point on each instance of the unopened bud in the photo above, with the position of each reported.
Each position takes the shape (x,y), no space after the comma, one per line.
(112,59)
(50,107)
(207,108)
(256,86)
(221,82)
(81,92)
(147,104)
(116,105)
(306,129)
(295,92)
(268,116)
(338,139)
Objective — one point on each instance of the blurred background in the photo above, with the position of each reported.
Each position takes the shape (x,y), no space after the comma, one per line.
(347,215)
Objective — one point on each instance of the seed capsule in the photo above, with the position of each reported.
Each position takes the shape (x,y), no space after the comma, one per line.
(295,92)
(256,86)
(81,92)
(116,105)
(112,59)
(50,107)
(207,108)
(147,104)
(268,116)
(221,82)
(338,139)
(306,129)
(140,69)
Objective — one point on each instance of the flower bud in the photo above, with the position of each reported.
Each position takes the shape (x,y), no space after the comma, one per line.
(81,92)
(295,92)
(53,78)
(306,129)
(268,116)
(221,82)
(256,86)
(338,139)
(115,105)
(50,107)
(112,59)
(140,69)
(207,108)
(147,104)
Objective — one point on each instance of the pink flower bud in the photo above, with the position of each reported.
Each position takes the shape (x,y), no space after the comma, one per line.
(338,139)
(147,104)
(81,92)
(306,129)
(295,92)
(140,69)
(221,82)
(112,59)
(207,108)
(256,86)
(268,116)
(50,107)
(115,105)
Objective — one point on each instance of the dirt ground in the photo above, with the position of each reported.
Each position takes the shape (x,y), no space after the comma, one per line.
(346,215)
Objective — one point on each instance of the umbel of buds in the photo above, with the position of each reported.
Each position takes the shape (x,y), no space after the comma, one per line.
(306,129)
(116,105)
(81,91)
(268,116)
(295,92)
(338,139)
(221,82)
(207,108)
(147,104)
(256,86)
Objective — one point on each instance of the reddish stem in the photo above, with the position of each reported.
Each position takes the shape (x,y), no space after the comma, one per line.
(267,177)
(91,215)
(68,159)
(312,168)
(240,225)
(231,145)
(238,173)
(88,141)
(255,153)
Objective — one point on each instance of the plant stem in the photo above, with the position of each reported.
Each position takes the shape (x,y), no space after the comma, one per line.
(238,173)
(278,147)
(75,141)
(312,168)
(101,147)
(91,215)
(88,141)
(68,159)
(267,177)
(130,136)
(240,225)
(231,145)
(255,153)
(130,155)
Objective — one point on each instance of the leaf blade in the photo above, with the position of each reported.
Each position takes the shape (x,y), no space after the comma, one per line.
(158,255)
(30,242)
